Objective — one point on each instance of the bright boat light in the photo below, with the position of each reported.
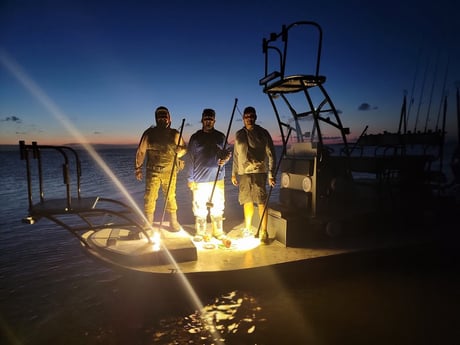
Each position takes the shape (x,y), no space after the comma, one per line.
(156,241)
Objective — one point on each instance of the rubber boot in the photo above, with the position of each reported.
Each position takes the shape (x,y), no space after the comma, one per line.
(200,226)
(173,223)
(149,220)
(264,237)
(217,227)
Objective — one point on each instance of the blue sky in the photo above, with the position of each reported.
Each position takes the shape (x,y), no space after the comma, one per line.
(106,65)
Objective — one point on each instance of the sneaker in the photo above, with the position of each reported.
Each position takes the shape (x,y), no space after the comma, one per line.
(198,238)
(220,236)
(207,237)
(247,232)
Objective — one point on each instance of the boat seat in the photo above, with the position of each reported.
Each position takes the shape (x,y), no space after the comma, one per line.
(295,83)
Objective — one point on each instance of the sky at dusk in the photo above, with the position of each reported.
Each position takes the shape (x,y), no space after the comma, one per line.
(96,70)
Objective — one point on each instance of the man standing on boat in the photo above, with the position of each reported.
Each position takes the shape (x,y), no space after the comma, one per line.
(206,158)
(253,163)
(162,145)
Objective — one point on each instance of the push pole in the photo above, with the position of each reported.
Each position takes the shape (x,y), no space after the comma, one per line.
(172,172)
(209,204)
(271,187)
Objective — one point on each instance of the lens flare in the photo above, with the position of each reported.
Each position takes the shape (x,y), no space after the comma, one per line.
(43,98)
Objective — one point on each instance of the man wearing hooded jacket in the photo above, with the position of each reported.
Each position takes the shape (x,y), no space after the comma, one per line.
(162,145)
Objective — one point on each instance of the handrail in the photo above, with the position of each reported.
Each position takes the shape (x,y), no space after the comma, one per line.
(36,151)
(84,208)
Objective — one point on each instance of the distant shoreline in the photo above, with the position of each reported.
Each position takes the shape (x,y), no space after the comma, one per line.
(11,147)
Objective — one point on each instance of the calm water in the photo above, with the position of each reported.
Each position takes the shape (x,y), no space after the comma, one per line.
(52,293)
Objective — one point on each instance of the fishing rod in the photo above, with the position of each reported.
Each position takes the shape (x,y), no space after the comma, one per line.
(421,97)
(271,187)
(411,101)
(458,113)
(403,116)
(435,72)
(443,135)
(172,172)
(209,204)
(455,162)
(444,92)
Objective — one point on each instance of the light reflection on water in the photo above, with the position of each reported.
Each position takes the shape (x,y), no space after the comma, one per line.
(235,314)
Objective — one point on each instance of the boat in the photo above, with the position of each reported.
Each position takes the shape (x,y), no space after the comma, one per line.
(114,233)
(320,193)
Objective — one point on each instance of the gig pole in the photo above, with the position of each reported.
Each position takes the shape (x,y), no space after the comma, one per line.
(271,188)
(209,204)
(172,172)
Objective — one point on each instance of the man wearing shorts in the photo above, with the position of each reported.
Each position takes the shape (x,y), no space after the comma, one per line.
(253,164)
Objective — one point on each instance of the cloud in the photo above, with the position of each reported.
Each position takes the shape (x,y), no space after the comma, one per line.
(366,107)
(11,119)
(97,132)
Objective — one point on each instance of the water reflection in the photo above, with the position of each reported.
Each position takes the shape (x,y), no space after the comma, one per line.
(232,315)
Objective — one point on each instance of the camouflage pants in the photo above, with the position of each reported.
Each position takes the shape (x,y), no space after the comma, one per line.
(153,182)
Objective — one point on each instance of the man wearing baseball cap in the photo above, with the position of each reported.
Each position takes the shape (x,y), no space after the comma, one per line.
(206,157)
(253,166)
(161,145)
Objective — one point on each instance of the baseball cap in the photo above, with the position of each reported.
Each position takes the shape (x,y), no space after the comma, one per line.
(208,113)
(249,110)
(161,111)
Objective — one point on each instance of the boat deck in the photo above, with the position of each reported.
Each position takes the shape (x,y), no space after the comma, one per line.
(182,253)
